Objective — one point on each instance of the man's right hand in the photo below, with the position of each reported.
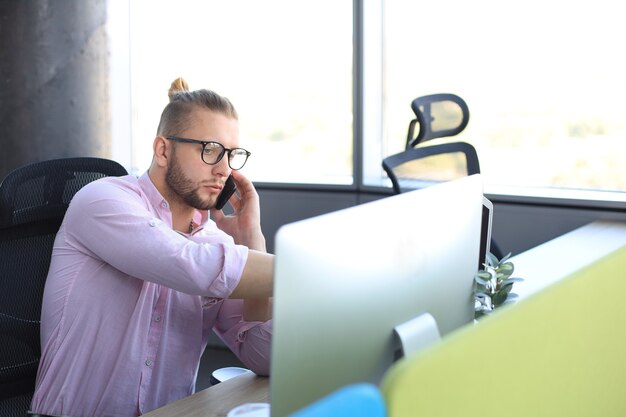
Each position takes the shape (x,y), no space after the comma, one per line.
(244,224)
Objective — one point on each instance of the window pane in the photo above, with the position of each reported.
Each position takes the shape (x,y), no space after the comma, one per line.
(543,79)
(286,66)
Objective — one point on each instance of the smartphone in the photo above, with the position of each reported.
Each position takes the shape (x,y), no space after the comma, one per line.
(227,191)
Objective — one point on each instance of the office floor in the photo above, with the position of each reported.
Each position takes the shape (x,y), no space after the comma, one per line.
(214,357)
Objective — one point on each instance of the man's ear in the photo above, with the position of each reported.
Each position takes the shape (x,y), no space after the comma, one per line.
(160,146)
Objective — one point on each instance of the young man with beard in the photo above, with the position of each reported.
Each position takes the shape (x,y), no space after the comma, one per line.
(140,275)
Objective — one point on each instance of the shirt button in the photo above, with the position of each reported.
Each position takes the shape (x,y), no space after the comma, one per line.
(164,204)
(148,362)
(152,223)
(157,318)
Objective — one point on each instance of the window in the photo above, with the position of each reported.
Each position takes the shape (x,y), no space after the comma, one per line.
(286,66)
(544,82)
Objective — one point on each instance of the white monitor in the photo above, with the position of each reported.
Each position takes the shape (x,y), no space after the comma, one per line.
(344,280)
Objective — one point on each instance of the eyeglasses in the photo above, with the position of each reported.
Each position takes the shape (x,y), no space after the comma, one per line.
(213,152)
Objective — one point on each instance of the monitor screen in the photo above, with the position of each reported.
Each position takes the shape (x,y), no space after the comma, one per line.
(485,232)
(344,280)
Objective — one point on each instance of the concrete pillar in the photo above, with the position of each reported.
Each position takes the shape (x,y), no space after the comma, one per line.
(54,91)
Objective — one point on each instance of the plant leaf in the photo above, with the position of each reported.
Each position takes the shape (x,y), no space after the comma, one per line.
(497,273)
(501,277)
(505,258)
(492,260)
(480,289)
(506,268)
(511,280)
(483,275)
(499,298)
(481,284)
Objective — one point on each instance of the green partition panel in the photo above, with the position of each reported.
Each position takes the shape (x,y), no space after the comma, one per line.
(561,352)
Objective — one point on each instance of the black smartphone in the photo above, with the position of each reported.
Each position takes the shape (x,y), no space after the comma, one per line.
(227,191)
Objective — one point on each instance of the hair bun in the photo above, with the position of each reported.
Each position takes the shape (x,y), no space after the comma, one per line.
(179,85)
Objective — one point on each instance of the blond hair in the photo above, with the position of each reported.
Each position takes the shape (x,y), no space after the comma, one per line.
(176,115)
(179,85)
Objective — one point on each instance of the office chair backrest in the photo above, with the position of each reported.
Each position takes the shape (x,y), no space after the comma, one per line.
(33,201)
(423,166)
(559,352)
(437,116)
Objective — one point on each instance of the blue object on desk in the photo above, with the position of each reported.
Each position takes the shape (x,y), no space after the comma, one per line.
(362,399)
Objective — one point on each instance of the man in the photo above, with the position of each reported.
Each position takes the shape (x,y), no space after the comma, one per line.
(140,275)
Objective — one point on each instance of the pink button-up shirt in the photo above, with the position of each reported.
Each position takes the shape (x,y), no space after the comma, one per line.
(129,304)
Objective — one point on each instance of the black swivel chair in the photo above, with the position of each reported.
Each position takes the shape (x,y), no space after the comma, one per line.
(437,116)
(33,201)
(420,165)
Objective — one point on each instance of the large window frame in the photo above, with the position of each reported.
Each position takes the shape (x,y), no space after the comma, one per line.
(372,67)
(368,92)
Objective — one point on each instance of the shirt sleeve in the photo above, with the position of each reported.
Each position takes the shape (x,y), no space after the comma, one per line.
(250,341)
(116,226)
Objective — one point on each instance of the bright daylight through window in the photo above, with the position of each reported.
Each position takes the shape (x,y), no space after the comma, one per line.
(286,66)
(544,81)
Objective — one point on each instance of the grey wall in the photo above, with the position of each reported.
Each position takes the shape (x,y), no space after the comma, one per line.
(516,227)
(53,81)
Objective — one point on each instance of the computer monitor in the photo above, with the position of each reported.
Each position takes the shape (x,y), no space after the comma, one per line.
(344,280)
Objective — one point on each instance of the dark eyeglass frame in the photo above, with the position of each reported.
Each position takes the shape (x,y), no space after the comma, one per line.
(223,152)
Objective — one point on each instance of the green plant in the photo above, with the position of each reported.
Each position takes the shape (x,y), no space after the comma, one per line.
(493,285)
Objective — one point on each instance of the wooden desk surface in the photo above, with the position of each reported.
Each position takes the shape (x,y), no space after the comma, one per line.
(219,399)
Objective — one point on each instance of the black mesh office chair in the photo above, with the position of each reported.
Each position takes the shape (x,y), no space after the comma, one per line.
(33,201)
(437,116)
(420,167)
(420,164)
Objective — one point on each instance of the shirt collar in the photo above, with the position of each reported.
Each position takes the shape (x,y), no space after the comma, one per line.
(159,203)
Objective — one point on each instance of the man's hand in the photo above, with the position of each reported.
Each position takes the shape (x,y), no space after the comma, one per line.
(244,224)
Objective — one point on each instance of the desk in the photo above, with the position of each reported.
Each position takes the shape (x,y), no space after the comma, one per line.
(549,262)
(219,399)
(540,267)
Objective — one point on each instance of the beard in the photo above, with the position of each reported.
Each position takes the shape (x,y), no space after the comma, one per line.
(183,187)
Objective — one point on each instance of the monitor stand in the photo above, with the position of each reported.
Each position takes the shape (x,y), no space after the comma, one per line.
(415,334)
